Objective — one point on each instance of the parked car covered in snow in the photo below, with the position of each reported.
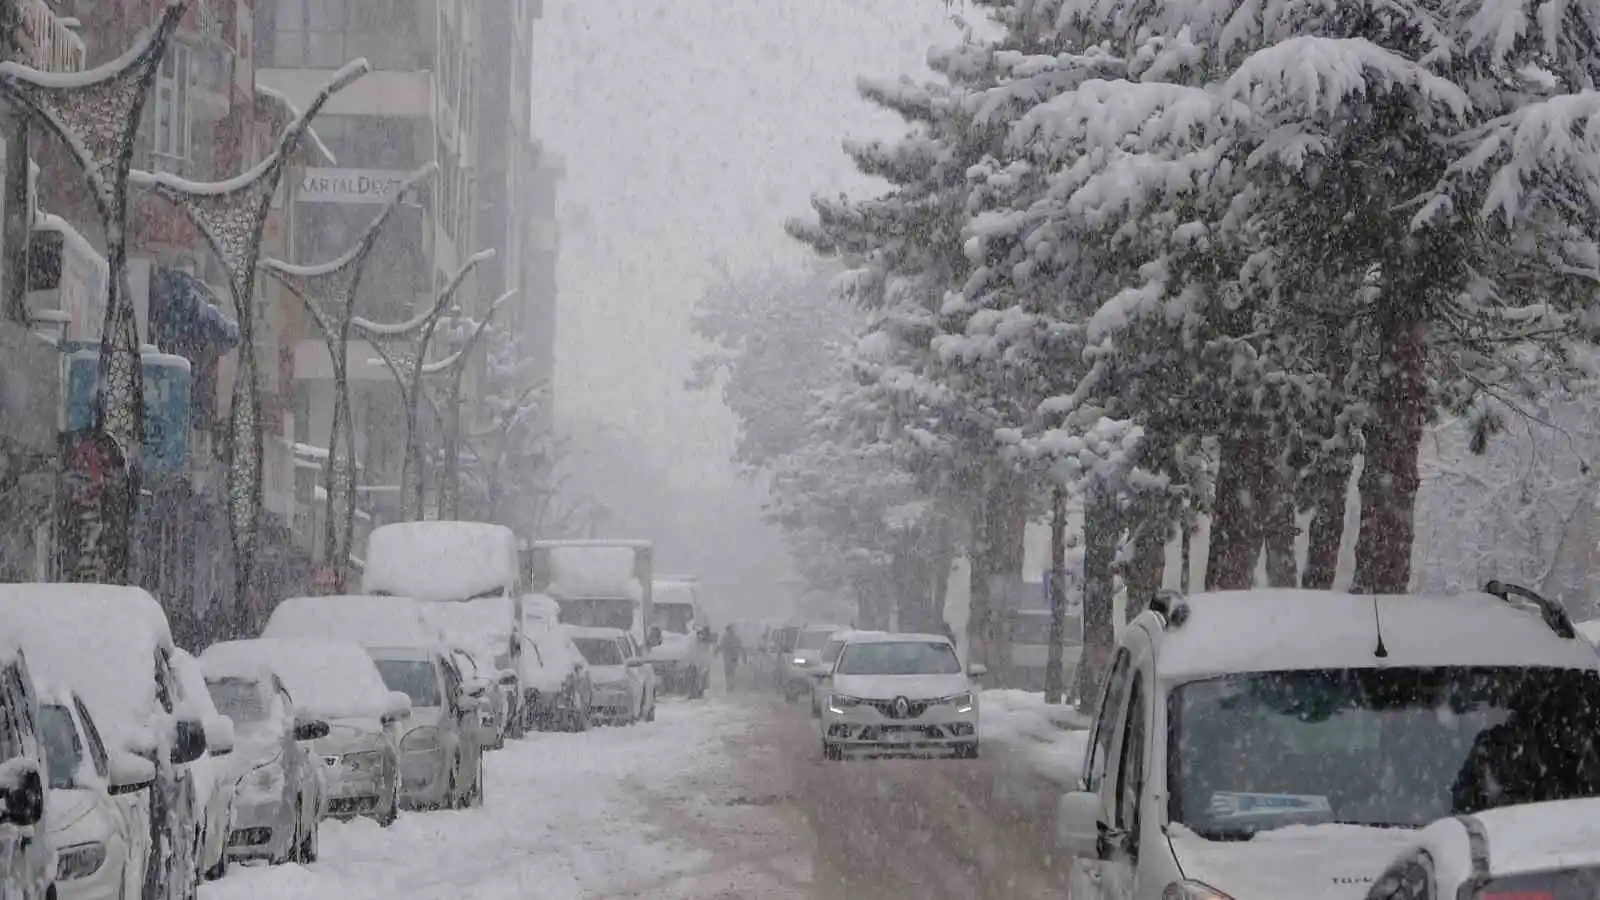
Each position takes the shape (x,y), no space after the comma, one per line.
(212,774)
(623,684)
(112,645)
(441,757)
(26,864)
(336,682)
(492,708)
(482,629)
(450,563)
(279,802)
(560,690)
(96,825)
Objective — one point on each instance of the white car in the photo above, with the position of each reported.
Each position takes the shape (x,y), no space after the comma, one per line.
(899,694)
(622,684)
(1260,745)
(212,774)
(277,809)
(335,682)
(100,843)
(1534,851)
(819,670)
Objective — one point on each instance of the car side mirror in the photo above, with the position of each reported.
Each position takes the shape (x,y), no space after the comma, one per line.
(977,670)
(1080,821)
(310,729)
(188,741)
(219,735)
(22,798)
(129,773)
(398,707)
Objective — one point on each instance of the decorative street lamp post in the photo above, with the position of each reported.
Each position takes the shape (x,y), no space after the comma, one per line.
(448,398)
(96,114)
(404,349)
(329,291)
(231,214)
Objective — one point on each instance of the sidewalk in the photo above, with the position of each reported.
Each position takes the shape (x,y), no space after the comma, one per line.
(1050,739)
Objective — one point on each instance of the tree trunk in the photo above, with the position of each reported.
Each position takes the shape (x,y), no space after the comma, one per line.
(1058,599)
(979,559)
(1279,529)
(1008,513)
(1147,563)
(1236,531)
(1389,477)
(1329,480)
(1102,531)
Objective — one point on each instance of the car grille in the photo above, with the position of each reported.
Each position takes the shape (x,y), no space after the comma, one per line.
(891,708)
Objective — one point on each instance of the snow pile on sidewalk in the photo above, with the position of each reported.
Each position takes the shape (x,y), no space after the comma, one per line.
(1052,738)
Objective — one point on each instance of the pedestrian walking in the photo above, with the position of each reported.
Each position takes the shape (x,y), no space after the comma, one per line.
(732,650)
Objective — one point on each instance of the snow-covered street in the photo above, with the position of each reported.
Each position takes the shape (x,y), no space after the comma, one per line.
(566,816)
(724,798)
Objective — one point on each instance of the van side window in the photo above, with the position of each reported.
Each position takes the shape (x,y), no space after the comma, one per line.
(1130,769)
(1105,723)
(12,702)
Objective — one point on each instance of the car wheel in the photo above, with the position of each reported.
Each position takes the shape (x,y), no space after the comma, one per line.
(832,752)
(968,751)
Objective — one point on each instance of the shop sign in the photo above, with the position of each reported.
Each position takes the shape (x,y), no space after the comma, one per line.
(324,185)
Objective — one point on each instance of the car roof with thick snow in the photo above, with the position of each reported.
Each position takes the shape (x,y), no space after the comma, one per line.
(100,640)
(1282,629)
(325,677)
(368,620)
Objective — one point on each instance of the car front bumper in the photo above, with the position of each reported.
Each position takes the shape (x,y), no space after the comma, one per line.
(360,788)
(937,728)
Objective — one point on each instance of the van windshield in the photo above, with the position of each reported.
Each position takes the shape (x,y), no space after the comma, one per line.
(1377,747)
(414,678)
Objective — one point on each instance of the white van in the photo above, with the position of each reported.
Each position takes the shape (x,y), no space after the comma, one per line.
(446,563)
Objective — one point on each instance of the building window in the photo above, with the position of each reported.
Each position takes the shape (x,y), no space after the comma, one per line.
(310,34)
(171,109)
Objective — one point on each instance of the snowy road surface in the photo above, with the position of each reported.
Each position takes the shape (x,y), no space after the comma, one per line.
(715,799)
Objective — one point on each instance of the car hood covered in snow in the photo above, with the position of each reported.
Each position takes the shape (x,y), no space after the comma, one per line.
(1306,862)
(888,687)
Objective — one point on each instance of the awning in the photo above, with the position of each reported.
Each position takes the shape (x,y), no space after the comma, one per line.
(185,317)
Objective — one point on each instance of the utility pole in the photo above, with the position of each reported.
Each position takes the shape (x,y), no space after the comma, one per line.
(1057,580)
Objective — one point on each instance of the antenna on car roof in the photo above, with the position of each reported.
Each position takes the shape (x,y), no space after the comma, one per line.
(1379,651)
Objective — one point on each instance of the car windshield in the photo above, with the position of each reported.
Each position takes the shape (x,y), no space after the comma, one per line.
(61,745)
(812,640)
(238,698)
(1383,747)
(414,678)
(899,658)
(599,651)
(674,617)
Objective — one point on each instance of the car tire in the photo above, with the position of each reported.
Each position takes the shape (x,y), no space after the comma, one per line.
(831,752)
(968,751)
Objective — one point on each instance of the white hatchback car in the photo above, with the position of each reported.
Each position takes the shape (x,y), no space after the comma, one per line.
(1533,851)
(899,694)
(1269,744)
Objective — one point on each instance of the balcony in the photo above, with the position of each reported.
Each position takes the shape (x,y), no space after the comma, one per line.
(45,42)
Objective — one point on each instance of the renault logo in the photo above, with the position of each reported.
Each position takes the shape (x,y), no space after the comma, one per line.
(902,707)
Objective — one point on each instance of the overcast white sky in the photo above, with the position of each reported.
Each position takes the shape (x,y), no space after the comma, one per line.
(691,129)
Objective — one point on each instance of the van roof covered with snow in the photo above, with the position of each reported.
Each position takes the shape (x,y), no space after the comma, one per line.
(367,620)
(1290,629)
(440,560)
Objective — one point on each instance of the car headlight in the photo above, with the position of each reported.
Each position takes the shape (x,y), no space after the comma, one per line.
(799,660)
(420,739)
(365,761)
(838,703)
(1192,890)
(80,860)
(267,778)
(963,702)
